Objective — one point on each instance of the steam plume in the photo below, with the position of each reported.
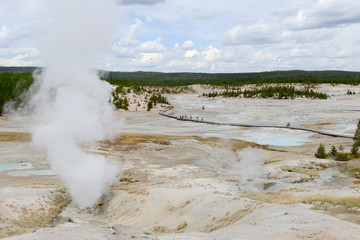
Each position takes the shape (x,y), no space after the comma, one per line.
(251,166)
(71,102)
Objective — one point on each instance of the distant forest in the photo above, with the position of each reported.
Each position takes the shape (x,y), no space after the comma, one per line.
(230,79)
(15,80)
(12,85)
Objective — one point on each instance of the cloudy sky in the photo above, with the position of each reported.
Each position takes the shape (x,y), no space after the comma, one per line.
(207,35)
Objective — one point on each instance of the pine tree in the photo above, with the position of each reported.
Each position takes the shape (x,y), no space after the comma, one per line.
(321,153)
(149,106)
(355,149)
(341,148)
(333,151)
(357,134)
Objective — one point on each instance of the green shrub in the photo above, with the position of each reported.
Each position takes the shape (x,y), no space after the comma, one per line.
(355,172)
(357,134)
(149,106)
(333,151)
(341,157)
(341,148)
(355,149)
(321,153)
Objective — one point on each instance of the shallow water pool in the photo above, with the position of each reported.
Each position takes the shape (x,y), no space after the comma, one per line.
(14,166)
(284,141)
(352,126)
(276,139)
(32,172)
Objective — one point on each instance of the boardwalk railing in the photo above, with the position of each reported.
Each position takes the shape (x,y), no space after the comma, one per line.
(163,113)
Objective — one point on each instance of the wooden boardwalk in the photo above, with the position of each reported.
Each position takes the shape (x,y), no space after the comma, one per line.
(163,113)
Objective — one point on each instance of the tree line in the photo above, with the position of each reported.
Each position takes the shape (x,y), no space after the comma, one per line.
(278,92)
(339,154)
(12,85)
(230,79)
(14,80)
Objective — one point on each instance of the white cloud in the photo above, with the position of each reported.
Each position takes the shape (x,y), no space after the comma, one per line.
(153,46)
(10,36)
(259,33)
(187,45)
(211,53)
(140,2)
(130,39)
(300,52)
(255,38)
(191,53)
(195,59)
(325,14)
(12,5)
(5,34)
(215,36)
(148,59)
(262,57)
(130,46)
(301,23)
(19,57)
(148,18)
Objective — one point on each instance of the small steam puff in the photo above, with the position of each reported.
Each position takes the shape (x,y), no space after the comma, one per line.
(71,102)
(250,167)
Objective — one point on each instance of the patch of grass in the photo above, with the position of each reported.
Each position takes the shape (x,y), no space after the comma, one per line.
(181,226)
(239,144)
(349,201)
(268,185)
(227,220)
(287,198)
(342,156)
(160,229)
(271,161)
(13,136)
(315,125)
(274,150)
(132,141)
(35,219)
(355,172)
(309,172)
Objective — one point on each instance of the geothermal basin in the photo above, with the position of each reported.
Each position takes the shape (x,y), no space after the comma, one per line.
(189,180)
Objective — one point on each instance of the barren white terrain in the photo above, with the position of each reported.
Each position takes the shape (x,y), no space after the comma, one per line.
(192,180)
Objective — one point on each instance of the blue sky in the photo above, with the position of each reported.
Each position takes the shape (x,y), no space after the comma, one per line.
(206,35)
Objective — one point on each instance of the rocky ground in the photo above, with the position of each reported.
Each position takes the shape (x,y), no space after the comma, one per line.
(186,180)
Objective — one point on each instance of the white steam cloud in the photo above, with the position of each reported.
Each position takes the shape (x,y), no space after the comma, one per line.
(250,168)
(72,103)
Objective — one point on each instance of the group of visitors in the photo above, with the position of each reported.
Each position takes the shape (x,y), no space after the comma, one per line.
(191,117)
